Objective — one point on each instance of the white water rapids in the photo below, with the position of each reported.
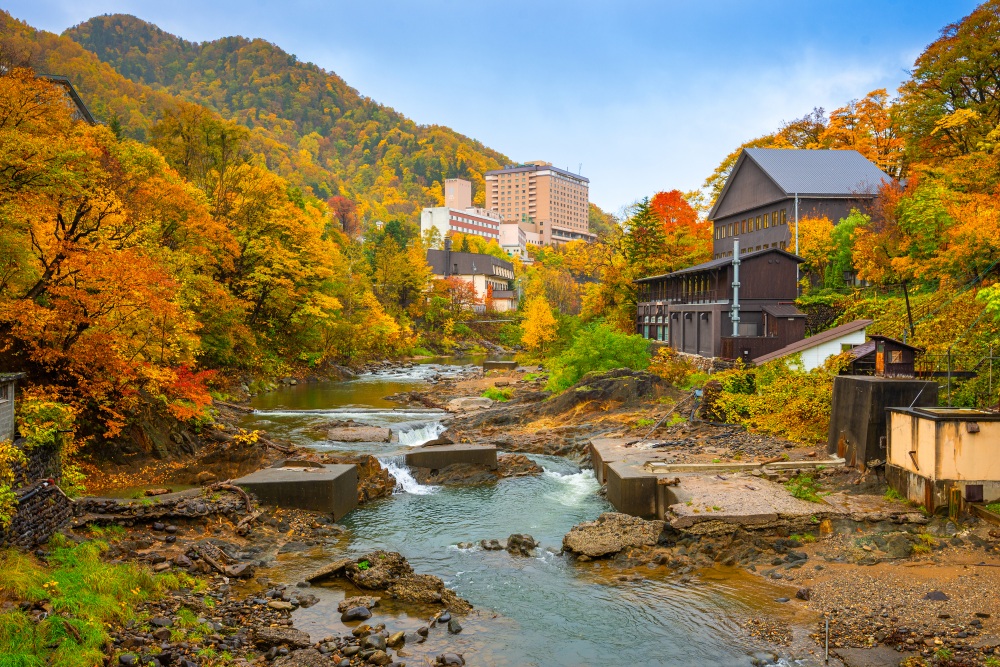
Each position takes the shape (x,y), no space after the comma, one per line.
(405,483)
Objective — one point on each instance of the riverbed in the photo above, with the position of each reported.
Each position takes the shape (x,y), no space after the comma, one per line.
(542,610)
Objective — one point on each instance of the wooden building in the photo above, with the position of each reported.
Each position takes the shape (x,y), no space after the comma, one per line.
(883,357)
(768,189)
(692,309)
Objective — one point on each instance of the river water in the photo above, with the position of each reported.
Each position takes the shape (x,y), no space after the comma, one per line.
(543,610)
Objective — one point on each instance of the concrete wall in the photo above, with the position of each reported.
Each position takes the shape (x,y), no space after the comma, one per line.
(945,449)
(7,410)
(858,413)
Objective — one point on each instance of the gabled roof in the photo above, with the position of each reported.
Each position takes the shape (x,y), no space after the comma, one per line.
(64,81)
(468,263)
(812,173)
(722,261)
(813,341)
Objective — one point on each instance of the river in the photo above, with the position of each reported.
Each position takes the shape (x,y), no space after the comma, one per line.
(543,610)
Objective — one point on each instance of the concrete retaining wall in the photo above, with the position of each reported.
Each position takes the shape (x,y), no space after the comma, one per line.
(437,457)
(42,509)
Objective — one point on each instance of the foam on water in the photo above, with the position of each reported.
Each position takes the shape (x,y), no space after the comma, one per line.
(573,488)
(405,483)
(418,435)
(418,373)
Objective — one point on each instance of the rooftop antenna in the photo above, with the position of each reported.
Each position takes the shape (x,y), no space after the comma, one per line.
(579,170)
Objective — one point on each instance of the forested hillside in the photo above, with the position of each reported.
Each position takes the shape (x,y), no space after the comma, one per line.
(313,129)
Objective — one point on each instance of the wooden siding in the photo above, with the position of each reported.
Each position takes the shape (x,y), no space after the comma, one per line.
(748,347)
(748,188)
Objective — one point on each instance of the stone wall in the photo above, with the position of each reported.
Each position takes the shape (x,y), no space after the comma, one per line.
(42,508)
(705,364)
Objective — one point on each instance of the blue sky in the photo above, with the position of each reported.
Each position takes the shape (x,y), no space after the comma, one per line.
(647,96)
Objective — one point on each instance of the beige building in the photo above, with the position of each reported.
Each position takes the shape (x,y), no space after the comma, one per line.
(457,193)
(541,199)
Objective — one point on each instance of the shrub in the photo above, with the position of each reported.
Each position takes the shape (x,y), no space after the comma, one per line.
(498,394)
(597,347)
(671,366)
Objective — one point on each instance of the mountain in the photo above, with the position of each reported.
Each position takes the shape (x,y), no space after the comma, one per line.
(308,124)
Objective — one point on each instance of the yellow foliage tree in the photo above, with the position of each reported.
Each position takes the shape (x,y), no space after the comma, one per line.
(539,325)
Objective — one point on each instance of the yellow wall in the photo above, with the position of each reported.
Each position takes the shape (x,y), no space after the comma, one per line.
(945,450)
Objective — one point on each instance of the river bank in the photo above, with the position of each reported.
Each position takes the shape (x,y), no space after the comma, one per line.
(750,597)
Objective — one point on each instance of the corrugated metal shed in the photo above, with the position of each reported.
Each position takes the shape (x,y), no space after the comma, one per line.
(819,172)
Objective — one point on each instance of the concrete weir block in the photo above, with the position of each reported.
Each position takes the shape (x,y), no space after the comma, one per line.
(499,365)
(307,486)
(442,456)
(631,489)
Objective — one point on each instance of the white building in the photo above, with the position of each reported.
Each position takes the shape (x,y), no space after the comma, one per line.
(476,221)
(492,278)
(815,350)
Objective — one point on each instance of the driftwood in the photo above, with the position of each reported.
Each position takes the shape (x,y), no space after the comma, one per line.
(204,551)
(243,527)
(274,445)
(233,406)
(229,486)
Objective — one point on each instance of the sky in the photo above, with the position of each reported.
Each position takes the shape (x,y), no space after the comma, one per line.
(638,96)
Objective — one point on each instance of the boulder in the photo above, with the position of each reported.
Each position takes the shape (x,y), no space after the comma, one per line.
(521,545)
(611,533)
(307,657)
(355,614)
(468,404)
(266,637)
(366,601)
(329,570)
(388,571)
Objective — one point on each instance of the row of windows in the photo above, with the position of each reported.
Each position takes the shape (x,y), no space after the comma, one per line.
(744,251)
(472,221)
(478,232)
(751,224)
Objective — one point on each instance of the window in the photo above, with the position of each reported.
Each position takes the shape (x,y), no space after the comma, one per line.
(784,221)
(758,223)
(895,356)
(767,220)
(4,392)
(846,347)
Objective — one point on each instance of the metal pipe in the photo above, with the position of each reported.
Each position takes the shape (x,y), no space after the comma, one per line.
(826,656)
(735,316)
(797,277)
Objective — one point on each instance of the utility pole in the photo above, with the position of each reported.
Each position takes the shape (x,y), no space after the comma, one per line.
(797,278)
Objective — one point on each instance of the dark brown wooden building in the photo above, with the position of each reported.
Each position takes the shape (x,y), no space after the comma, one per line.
(883,357)
(767,187)
(691,309)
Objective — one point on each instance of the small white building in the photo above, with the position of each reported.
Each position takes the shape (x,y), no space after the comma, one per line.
(815,350)
(471,220)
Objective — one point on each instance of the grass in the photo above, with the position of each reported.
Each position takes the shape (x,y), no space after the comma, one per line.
(85,593)
(995,508)
(892,494)
(944,654)
(804,487)
(499,394)
(805,538)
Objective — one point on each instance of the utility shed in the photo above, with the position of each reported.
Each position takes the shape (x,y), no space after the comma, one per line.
(885,357)
(933,451)
(858,414)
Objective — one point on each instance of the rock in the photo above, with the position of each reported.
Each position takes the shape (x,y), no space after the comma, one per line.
(306,657)
(516,465)
(182,561)
(898,546)
(396,640)
(239,570)
(781,599)
(374,642)
(611,533)
(447,659)
(454,627)
(128,660)
(161,567)
(280,605)
(205,477)
(355,614)
(443,617)
(936,595)
(360,434)
(491,545)
(162,634)
(379,658)
(161,622)
(265,637)
(521,545)
(803,594)
(468,403)
(423,631)
(329,570)
(366,601)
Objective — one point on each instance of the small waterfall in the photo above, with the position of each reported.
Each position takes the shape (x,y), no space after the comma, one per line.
(396,465)
(419,435)
(574,488)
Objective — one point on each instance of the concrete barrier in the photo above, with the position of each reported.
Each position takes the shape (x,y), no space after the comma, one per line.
(442,456)
(499,365)
(632,490)
(326,488)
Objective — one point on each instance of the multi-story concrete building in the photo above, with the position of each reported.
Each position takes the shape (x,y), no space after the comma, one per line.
(492,278)
(457,193)
(470,220)
(541,199)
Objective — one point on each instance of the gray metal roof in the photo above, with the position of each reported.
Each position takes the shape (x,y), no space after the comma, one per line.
(722,261)
(813,341)
(783,310)
(468,263)
(819,172)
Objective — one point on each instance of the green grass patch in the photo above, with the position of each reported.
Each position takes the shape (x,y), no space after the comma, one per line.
(804,487)
(642,423)
(892,494)
(499,394)
(995,508)
(86,594)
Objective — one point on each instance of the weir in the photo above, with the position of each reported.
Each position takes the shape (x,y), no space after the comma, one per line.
(441,456)
(305,485)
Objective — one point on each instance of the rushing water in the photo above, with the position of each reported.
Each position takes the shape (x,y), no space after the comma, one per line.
(543,610)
